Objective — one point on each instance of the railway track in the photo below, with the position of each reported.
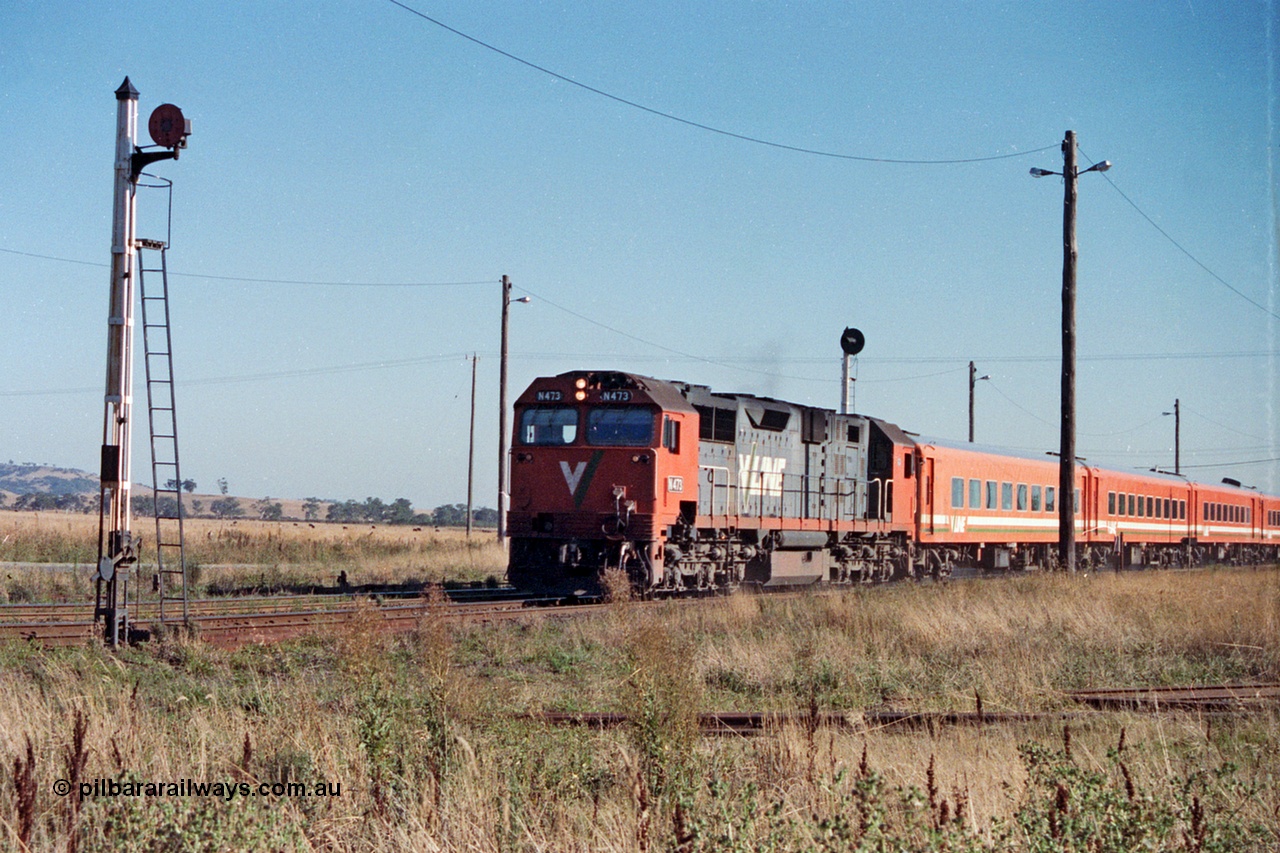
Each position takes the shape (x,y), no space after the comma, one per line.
(763,722)
(236,621)
(1222,698)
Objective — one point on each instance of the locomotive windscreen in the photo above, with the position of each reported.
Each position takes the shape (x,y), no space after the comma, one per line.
(549,426)
(622,427)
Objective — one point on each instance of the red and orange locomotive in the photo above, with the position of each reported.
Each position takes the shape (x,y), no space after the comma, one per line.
(686,489)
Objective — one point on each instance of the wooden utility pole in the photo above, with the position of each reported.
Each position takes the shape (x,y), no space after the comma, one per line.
(471,446)
(1067,459)
(1067,452)
(1177,437)
(974,379)
(502,415)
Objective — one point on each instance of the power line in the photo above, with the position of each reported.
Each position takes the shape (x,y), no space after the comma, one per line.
(1264,309)
(699,125)
(261,281)
(1221,425)
(1011,402)
(259,377)
(663,347)
(727,363)
(1236,464)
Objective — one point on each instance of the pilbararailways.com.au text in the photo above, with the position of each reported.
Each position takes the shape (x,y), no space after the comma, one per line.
(191,788)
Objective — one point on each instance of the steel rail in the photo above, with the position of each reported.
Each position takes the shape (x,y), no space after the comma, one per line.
(146,611)
(1210,697)
(272,625)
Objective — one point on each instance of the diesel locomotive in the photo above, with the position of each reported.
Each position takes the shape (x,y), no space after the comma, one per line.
(686,489)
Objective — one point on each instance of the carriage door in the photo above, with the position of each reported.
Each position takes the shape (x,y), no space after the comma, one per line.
(926,485)
(1088,506)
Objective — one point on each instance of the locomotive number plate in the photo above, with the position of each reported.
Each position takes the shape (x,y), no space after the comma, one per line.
(675,484)
(549,396)
(615,396)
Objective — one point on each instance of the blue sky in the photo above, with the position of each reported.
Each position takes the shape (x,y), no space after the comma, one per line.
(357,143)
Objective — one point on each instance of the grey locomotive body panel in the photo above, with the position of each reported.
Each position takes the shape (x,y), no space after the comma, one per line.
(763,458)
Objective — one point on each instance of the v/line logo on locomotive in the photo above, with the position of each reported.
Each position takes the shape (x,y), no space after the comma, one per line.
(573,476)
(760,476)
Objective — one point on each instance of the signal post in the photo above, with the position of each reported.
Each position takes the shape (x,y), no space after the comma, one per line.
(117,544)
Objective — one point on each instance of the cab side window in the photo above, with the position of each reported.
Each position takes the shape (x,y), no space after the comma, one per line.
(671,434)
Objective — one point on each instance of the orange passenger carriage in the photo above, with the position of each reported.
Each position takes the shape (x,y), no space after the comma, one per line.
(991,508)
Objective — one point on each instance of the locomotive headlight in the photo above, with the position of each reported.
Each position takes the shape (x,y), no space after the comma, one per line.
(580,384)
(580,395)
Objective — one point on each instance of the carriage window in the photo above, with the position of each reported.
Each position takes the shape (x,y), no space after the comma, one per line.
(1006,495)
(957,492)
(549,426)
(1168,508)
(1111,503)
(1182,509)
(620,427)
(975,494)
(991,494)
(1022,497)
(1132,511)
(1035,498)
(1075,502)
(1049,493)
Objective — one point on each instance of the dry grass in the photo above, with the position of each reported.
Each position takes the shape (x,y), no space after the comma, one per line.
(423,733)
(243,555)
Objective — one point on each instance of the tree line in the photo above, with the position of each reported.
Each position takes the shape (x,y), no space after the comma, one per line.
(370,510)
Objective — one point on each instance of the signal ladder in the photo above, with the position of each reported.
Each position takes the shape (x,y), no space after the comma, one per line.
(166,479)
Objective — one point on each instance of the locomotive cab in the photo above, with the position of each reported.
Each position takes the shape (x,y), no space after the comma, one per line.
(601,462)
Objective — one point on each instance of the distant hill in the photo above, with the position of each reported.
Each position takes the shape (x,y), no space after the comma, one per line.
(77,491)
(30,478)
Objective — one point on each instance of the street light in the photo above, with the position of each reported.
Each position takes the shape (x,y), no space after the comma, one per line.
(503,497)
(974,379)
(1067,453)
(1177,435)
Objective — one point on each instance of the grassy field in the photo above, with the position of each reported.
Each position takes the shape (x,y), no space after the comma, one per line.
(242,556)
(425,736)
